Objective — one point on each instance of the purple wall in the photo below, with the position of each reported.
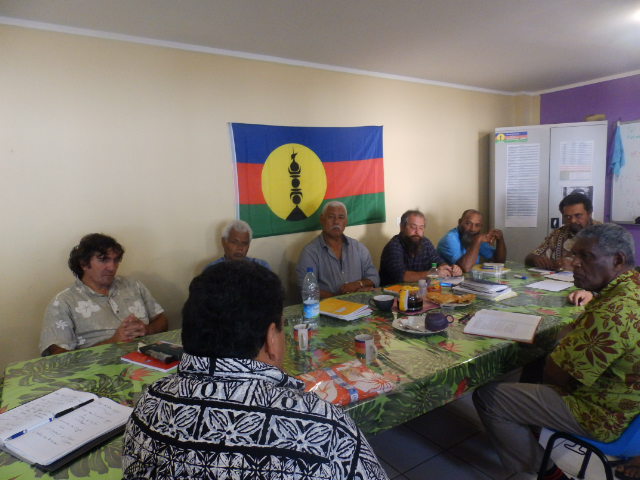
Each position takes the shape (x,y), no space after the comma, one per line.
(618,99)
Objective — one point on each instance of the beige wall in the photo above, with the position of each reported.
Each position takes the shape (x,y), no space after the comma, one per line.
(132,140)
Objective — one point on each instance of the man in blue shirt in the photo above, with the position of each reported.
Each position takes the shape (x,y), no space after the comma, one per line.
(465,244)
(236,238)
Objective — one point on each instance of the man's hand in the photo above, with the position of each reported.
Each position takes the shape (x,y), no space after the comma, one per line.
(495,236)
(456,271)
(580,297)
(542,261)
(357,286)
(130,329)
(444,270)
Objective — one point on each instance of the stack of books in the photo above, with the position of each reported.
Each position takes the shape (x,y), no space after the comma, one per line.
(343,309)
(485,289)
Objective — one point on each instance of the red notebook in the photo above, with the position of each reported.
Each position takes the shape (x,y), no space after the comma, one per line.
(147,361)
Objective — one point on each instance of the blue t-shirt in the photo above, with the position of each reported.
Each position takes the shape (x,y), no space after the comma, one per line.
(450,247)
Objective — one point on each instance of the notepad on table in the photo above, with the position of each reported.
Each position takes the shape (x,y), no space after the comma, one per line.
(550,285)
(52,430)
(343,309)
(394,289)
(162,356)
(499,324)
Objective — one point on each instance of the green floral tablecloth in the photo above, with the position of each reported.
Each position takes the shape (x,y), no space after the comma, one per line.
(433,370)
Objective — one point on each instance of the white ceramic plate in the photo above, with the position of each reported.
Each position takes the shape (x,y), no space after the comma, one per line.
(413,325)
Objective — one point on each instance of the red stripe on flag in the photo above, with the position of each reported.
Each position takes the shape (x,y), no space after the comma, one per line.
(354,177)
(250,183)
(344,179)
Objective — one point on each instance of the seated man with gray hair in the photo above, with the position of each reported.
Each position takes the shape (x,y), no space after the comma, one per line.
(591,377)
(341,264)
(236,238)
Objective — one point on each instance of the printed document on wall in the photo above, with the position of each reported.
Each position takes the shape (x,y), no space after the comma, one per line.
(523,182)
(576,161)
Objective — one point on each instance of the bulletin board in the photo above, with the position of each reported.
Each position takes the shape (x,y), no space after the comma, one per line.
(625,201)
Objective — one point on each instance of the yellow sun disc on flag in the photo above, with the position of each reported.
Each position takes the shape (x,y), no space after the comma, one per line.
(293,181)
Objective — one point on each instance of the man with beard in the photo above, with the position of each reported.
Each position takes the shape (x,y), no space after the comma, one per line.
(341,264)
(555,252)
(465,244)
(408,256)
(591,377)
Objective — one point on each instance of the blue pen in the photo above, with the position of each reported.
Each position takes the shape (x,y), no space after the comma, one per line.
(16,435)
(523,277)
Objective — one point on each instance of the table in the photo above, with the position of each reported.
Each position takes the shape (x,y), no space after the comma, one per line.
(433,370)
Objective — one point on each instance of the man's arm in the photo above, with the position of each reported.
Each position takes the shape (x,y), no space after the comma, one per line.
(500,254)
(157,324)
(369,277)
(539,261)
(130,328)
(554,375)
(470,257)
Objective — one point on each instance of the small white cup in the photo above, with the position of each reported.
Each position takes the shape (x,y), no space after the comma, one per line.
(301,331)
(447,309)
(499,272)
(365,347)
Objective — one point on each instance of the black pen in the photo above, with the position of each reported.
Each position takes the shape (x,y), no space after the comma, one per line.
(69,410)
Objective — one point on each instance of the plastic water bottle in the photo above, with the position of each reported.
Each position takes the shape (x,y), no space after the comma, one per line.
(434,279)
(310,297)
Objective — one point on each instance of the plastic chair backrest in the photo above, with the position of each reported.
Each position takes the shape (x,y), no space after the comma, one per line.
(628,445)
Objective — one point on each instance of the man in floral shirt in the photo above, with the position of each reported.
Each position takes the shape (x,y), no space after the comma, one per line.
(100,307)
(592,379)
(231,412)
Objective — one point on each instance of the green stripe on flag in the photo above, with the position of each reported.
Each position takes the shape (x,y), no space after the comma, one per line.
(362,209)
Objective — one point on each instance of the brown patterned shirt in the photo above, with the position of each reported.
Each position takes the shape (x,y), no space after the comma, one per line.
(602,353)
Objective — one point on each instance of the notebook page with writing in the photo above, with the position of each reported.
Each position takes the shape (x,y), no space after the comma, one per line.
(39,411)
(66,434)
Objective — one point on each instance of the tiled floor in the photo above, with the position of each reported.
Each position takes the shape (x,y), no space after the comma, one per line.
(449,443)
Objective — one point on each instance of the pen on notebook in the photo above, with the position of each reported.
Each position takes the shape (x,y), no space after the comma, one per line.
(522,277)
(17,434)
(69,410)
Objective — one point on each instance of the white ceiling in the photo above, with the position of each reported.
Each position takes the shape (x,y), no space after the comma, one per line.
(502,45)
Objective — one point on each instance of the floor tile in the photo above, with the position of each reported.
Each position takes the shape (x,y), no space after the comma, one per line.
(479,453)
(443,427)
(463,407)
(391,472)
(402,448)
(445,467)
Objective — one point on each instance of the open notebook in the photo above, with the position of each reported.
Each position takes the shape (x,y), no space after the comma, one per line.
(54,429)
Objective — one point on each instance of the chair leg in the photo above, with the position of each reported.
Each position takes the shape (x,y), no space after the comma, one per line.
(547,455)
(585,464)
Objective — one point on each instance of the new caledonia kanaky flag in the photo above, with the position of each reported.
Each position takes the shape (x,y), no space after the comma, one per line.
(286,174)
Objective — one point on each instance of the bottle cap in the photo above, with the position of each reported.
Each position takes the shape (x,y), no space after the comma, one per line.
(309,269)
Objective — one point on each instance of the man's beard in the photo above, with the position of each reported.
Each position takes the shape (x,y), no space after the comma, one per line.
(467,238)
(412,244)
(575,227)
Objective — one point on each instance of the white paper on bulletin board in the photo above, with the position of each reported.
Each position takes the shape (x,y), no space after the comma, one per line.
(625,204)
(576,161)
(523,182)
